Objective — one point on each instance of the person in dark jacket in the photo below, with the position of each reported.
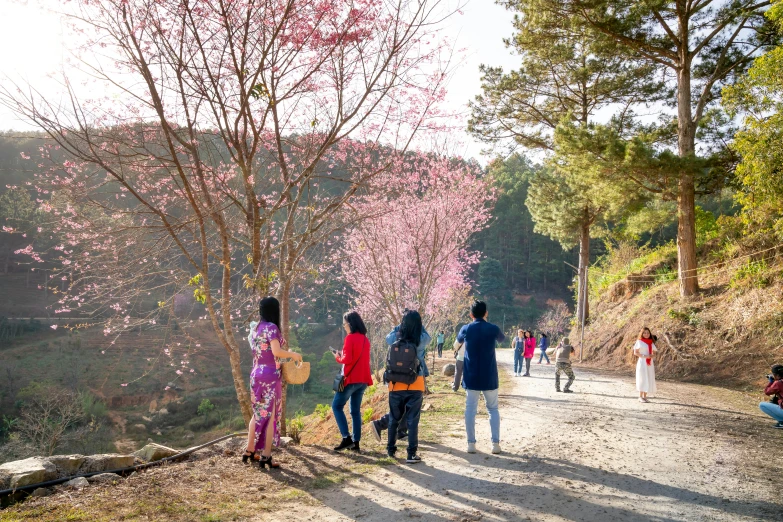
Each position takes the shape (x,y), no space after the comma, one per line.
(355,359)
(480,373)
(543,344)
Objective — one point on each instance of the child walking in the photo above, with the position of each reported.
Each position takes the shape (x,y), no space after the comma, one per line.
(645,349)
(563,364)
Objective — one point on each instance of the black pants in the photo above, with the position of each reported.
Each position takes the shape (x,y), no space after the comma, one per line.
(440,349)
(404,404)
(402,428)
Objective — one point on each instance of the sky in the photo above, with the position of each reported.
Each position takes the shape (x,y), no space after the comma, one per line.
(32,46)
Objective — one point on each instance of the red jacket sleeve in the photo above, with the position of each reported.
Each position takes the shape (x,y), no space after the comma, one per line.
(351,352)
(774,388)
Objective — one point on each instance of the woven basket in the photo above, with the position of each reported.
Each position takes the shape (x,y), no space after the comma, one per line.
(294,373)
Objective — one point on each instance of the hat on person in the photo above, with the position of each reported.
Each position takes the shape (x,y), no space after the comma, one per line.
(777,369)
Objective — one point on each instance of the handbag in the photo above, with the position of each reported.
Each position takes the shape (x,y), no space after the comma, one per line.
(295,373)
(338,384)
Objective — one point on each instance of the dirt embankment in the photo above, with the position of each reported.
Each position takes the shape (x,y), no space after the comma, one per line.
(728,335)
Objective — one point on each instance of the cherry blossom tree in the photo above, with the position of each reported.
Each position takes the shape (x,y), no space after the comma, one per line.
(555,321)
(228,138)
(412,250)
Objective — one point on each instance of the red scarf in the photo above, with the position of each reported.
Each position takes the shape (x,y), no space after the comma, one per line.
(649,343)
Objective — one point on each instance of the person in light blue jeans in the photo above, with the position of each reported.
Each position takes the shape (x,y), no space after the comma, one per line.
(480,373)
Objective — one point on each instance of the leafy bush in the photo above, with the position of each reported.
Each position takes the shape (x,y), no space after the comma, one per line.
(92,406)
(690,315)
(322,410)
(205,408)
(665,274)
(305,335)
(367,415)
(706,226)
(751,274)
(296,427)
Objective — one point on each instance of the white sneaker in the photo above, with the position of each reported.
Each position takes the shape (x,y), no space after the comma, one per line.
(471,447)
(496,448)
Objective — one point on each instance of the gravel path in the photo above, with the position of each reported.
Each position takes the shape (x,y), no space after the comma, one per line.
(594,455)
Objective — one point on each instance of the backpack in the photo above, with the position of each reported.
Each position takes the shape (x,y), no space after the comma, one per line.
(402,365)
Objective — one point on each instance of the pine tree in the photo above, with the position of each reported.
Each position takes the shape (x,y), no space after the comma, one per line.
(568,73)
(702,43)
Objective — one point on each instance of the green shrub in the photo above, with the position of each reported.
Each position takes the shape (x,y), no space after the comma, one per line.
(707,227)
(689,315)
(367,415)
(296,427)
(665,274)
(92,406)
(751,274)
(205,408)
(322,410)
(305,335)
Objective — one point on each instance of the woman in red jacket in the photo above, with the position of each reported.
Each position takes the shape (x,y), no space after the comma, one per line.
(355,359)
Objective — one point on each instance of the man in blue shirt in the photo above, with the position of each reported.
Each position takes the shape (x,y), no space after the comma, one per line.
(480,372)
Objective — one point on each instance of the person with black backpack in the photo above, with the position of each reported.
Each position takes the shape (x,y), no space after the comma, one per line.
(405,371)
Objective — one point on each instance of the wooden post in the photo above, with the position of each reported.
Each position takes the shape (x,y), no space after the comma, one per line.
(583,298)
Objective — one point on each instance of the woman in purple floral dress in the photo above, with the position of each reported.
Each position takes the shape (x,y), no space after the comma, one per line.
(265,383)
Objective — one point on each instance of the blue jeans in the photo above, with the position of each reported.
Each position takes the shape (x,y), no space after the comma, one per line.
(354,392)
(543,354)
(471,405)
(408,404)
(773,410)
(518,362)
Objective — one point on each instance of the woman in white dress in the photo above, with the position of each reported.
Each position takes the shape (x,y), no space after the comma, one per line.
(645,349)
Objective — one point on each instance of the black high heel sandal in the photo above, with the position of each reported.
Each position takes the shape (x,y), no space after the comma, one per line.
(248,455)
(267,461)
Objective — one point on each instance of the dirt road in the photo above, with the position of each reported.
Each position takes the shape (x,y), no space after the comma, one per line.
(594,455)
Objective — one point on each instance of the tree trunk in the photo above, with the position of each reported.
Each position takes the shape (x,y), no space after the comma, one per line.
(583,305)
(686,193)
(240,387)
(285,302)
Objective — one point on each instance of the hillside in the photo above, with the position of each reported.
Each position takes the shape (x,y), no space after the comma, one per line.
(136,376)
(728,335)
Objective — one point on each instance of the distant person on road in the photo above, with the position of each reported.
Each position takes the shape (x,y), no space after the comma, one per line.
(441,340)
(563,364)
(645,350)
(543,344)
(266,343)
(405,399)
(530,350)
(355,359)
(774,407)
(518,344)
(459,355)
(480,373)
